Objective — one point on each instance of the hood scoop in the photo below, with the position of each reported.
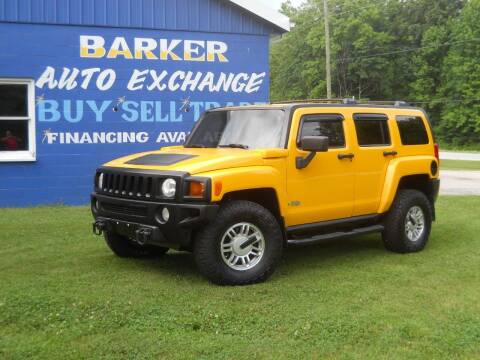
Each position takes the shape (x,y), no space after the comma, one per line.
(159,159)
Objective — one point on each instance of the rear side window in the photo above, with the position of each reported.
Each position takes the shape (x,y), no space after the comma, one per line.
(324,125)
(412,130)
(372,129)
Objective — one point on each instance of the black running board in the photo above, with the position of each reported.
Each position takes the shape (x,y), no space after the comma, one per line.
(336,235)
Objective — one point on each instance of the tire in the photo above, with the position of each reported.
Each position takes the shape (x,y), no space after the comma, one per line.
(406,235)
(250,222)
(123,247)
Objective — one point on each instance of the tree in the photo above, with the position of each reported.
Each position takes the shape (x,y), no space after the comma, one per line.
(460,117)
(298,60)
(421,51)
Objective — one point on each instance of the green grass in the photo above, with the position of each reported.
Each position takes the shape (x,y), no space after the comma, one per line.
(63,295)
(459,165)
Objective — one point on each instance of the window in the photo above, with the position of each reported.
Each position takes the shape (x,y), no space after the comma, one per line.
(324,125)
(17,120)
(249,128)
(372,129)
(412,130)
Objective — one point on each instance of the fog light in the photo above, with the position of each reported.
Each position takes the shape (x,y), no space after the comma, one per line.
(165,214)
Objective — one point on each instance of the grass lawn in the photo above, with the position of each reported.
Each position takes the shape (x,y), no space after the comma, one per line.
(63,295)
(459,165)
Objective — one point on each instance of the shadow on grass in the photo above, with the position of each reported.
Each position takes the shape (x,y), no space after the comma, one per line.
(337,247)
(333,253)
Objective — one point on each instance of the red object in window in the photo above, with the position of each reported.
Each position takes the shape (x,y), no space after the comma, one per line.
(11,143)
(437,152)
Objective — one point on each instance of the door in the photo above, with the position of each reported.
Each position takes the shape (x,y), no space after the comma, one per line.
(324,189)
(374,152)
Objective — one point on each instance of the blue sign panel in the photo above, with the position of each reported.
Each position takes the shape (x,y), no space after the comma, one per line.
(101,93)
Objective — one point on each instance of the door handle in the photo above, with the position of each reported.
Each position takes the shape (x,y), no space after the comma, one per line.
(390,153)
(345,156)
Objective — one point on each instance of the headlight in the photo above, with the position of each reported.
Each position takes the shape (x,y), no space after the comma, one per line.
(169,187)
(100,181)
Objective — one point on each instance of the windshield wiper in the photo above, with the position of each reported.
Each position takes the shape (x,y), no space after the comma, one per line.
(195,146)
(236,146)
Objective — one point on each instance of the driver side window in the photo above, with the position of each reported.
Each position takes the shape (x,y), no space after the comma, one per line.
(324,125)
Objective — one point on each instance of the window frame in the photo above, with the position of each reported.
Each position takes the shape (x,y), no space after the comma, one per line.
(31,153)
(380,117)
(327,117)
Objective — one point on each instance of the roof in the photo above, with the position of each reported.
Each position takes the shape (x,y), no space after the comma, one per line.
(275,18)
(220,16)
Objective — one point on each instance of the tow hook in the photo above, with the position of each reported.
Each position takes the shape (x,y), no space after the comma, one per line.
(98,227)
(142,236)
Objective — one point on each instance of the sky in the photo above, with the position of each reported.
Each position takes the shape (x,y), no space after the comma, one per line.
(275,4)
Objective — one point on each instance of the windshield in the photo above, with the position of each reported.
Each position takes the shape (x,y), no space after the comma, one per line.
(247,129)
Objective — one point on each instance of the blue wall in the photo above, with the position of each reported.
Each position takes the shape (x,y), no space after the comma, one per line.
(84,116)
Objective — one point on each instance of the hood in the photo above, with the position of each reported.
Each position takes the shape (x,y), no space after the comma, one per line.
(194,160)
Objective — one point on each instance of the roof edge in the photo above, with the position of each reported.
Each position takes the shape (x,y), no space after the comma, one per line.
(271,16)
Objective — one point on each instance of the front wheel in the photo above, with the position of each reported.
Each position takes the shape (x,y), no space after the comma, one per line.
(408,223)
(241,246)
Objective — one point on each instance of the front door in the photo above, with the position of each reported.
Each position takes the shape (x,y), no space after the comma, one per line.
(324,189)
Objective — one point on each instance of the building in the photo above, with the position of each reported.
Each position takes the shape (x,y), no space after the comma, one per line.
(85,81)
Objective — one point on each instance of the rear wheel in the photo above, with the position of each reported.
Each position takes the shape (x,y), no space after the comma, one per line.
(408,223)
(122,246)
(241,246)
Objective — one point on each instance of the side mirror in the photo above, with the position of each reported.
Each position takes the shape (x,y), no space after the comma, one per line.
(313,144)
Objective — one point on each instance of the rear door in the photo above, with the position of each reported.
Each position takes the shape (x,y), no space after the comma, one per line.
(373,153)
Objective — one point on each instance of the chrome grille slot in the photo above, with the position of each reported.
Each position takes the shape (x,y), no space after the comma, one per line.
(116,183)
(131,186)
(148,192)
(110,183)
(139,188)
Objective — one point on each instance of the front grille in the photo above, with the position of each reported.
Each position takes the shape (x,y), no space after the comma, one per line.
(125,209)
(127,183)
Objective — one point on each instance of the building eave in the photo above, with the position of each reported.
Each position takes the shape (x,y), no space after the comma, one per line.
(274,18)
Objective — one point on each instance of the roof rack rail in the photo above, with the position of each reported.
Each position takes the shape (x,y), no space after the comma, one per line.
(311,101)
(346,101)
(350,101)
(397,103)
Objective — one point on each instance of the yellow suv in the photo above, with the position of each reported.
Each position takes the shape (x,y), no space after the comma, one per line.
(251,180)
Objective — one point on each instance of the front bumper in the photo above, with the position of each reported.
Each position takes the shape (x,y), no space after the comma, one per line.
(142,221)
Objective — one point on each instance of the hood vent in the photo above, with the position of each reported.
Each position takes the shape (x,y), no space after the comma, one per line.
(159,159)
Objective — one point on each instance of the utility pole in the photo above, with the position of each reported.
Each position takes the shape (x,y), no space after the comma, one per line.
(327,49)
